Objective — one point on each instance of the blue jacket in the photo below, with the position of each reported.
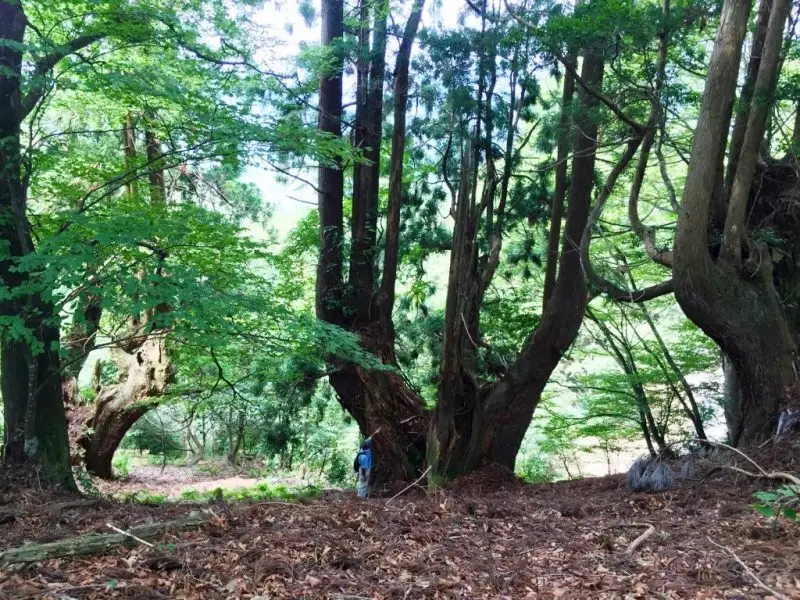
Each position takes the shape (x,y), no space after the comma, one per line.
(365,459)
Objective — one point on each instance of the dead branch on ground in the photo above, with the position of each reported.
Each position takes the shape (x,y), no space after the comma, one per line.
(749,571)
(762,473)
(95,543)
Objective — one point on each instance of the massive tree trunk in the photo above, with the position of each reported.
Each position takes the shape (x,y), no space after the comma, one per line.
(35,421)
(479,424)
(732,295)
(144,376)
(375,399)
(142,361)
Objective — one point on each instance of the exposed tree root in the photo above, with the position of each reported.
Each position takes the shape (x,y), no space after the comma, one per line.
(642,538)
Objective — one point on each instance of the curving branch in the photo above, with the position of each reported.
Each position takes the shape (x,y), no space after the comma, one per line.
(518,18)
(662,166)
(647,234)
(609,287)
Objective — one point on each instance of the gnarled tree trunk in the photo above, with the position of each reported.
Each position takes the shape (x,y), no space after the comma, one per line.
(732,295)
(145,373)
(142,361)
(476,425)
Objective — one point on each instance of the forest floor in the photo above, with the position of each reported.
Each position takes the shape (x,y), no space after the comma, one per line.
(172,481)
(486,536)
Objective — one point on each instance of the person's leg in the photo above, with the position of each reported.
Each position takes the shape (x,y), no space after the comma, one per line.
(363,482)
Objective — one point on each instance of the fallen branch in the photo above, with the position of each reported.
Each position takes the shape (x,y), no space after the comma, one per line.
(779,475)
(641,539)
(130,535)
(408,487)
(732,449)
(749,571)
(95,543)
(82,503)
(762,473)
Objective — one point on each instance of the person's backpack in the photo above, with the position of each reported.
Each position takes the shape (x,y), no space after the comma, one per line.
(356,464)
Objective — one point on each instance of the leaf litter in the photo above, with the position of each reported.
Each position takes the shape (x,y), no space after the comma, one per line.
(486,536)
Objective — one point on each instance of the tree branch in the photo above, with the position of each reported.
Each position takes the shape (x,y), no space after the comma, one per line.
(612,106)
(46,64)
(647,234)
(611,289)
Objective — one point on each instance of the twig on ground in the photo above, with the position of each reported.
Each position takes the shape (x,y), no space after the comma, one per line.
(293,504)
(749,571)
(762,473)
(408,487)
(772,475)
(642,538)
(130,535)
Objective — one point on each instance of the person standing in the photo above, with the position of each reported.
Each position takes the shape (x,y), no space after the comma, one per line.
(363,466)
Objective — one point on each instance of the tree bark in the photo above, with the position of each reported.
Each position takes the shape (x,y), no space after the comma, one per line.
(561,183)
(386,295)
(367,130)
(331,177)
(35,420)
(144,376)
(739,310)
(474,428)
(375,399)
(746,97)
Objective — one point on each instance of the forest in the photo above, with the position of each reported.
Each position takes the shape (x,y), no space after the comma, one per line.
(399,299)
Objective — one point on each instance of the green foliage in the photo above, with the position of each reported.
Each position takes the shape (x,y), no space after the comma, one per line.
(89,394)
(536,469)
(255,493)
(146,497)
(121,466)
(151,434)
(783,501)
(339,472)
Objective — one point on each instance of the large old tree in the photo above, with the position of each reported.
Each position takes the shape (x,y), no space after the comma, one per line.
(484,123)
(30,378)
(736,240)
(735,247)
(124,244)
(351,297)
